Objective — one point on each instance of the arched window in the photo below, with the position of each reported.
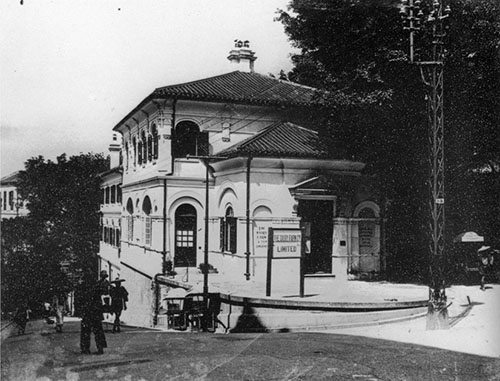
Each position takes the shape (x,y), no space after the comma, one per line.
(154,131)
(367,213)
(185,236)
(144,147)
(189,140)
(130,220)
(146,206)
(126,155)
(134,143)
(150,148)
(228,231)
(139,150)
(130,206)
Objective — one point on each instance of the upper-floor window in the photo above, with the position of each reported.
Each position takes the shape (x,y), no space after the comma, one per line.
(11,200)
(134,144)
(144,147)
(188,140)
(150,148)
(107,197)
(154,132)
(126,156)
(139,150)
(113,194)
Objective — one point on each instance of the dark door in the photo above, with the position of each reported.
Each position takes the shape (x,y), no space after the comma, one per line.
(317,220)
(185,236)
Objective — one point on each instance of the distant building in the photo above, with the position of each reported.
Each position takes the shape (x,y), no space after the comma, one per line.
(269,168)
(12,205)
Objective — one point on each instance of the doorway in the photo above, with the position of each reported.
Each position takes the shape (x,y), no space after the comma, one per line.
(185,236)
(317,222)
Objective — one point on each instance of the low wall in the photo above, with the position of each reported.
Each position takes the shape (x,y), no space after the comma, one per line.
(241,314)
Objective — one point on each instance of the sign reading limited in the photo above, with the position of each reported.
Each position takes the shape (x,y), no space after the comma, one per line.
(287,243)
(284,259)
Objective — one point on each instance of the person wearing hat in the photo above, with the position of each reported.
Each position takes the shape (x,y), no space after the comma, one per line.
(119,299)
(104,288)
(486,259)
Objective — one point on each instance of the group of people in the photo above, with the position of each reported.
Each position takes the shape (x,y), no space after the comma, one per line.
(99,298)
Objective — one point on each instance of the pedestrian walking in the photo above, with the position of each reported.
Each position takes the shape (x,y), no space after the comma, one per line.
(119,299)
(60,306)
(21,317)
(92,317)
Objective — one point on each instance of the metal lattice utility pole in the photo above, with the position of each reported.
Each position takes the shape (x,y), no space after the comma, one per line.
(432,72)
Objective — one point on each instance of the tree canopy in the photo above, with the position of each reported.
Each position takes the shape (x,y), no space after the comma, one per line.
(356,53)
(57,242)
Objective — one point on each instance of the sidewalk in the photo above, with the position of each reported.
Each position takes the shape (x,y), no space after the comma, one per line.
(474,314)
(476,333)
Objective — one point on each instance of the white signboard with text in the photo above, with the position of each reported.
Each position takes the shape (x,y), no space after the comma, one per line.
(284,259)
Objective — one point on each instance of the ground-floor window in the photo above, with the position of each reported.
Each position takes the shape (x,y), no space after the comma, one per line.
(228,231)
(185,236)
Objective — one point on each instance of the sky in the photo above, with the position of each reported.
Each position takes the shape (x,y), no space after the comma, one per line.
(70,70)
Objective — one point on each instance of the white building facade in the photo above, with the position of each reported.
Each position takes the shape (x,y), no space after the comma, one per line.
(11,203)
(266,168)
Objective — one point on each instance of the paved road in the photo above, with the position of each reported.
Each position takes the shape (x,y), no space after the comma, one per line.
(136,354)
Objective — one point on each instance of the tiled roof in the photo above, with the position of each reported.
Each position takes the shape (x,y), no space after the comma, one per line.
(282,139)
(241,87)
(10,179)
(236,87)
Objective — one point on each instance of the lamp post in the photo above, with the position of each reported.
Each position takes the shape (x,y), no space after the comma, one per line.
(206,160)
(416,15)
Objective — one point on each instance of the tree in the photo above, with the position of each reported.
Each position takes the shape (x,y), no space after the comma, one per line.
(57,242)
(356,53)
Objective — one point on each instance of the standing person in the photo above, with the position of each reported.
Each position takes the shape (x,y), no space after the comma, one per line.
(484,256)
(21,317)
(92,316)
(59,305)
(104,288)
(119,299)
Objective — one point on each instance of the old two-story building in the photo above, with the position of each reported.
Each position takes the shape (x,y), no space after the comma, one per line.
(11,203)
(251,137)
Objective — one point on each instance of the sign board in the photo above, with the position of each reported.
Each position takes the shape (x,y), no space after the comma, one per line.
(287,243)
(261,229)
(284,254)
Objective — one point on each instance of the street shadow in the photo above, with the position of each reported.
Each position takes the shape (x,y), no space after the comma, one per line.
(248,321)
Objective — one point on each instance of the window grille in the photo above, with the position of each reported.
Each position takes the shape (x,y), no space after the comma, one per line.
(130,228)
(150,148)
(184,238)
(148,231)
(228,231)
